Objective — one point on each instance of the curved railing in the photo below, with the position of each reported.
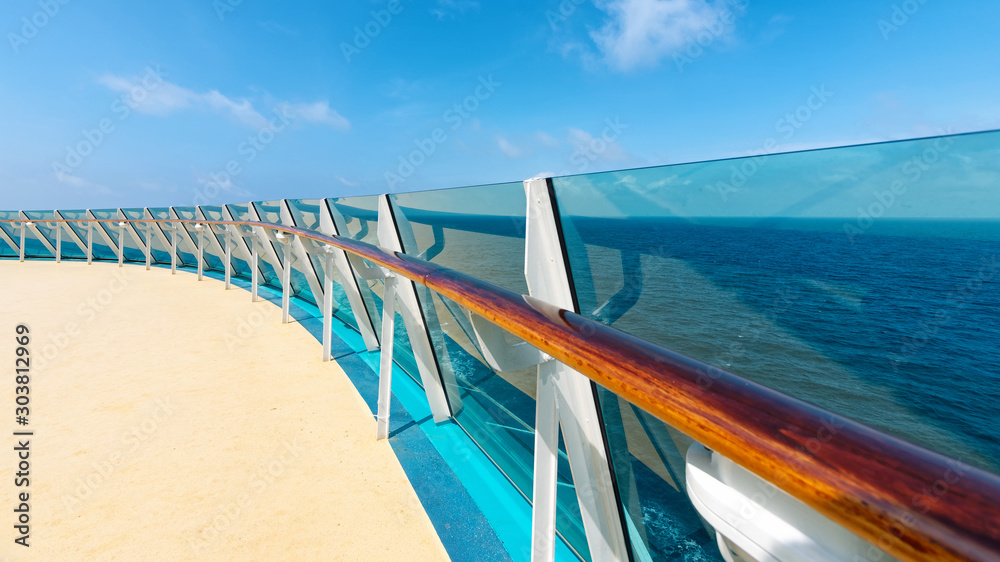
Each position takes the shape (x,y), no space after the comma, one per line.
(912,502)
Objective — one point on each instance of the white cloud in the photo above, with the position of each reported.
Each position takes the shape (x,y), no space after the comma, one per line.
(319,113)
(155,98)
(547,140)
(507,148)
(597,148)
(151,95)
(348,182)
(641,32)
(83,184)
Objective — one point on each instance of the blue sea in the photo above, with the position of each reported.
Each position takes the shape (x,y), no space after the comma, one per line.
(897,326)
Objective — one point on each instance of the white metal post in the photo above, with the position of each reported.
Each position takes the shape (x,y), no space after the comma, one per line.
(58,227)
(201,250)
(121,243)
(173,247)
(332,223)
(229,258)
(576,409)
(149,244)
(545,483)
(24,228)
(328,259)
(90,242)
(254,266)
(385,359)
(286,274)
(415,323)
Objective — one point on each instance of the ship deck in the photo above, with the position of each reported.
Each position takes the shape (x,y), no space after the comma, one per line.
(175,420)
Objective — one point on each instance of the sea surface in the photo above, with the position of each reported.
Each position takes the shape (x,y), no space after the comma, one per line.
(896,324)
(897,327)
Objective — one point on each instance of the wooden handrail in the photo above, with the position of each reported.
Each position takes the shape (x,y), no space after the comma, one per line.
(911,502)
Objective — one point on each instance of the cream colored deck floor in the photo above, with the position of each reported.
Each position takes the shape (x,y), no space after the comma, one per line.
(175,420)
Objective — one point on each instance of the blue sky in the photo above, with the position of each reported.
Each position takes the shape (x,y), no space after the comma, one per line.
(108,104)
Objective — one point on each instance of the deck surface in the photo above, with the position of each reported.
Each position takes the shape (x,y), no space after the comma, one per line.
(175,420)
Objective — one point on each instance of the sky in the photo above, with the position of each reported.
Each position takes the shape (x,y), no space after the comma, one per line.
(110,104)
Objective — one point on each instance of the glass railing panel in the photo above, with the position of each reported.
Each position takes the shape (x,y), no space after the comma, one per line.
(12,231)
(497,410)
(101,250)
(862,279)
(476,230)
(306,214)
(161,235)
(269,275)
(70,250)
(111,231)
(187,249)
(360,216)
(270,211)
(649,461)
(34,247)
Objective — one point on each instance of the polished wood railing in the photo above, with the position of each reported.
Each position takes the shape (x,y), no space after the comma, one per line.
(911,502)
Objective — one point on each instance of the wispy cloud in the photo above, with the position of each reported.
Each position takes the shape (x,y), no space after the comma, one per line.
(318,113)
(547,140)
(507,148)
(640,33)
(82,184)
(167,98)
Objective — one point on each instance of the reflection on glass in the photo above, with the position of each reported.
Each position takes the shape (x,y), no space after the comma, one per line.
(862,279)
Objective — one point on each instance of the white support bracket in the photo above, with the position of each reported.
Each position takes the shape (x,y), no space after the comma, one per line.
(301,253)
(329,257)
(264,236)
(121,243)
(287,256)
(229,258)
(38,233)
(332,223)
(10,241)
(414,321)
(58,228)
(90,242)
(200,228)
(502,356)
(575,403)
(385,359)
(103,233)
(134,233)
(24,229)
(72,233)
